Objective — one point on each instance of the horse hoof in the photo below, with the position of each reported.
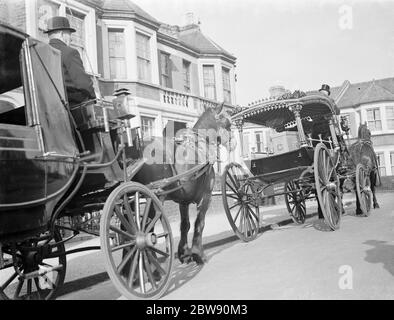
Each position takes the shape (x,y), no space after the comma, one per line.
(199,259)
(376,206)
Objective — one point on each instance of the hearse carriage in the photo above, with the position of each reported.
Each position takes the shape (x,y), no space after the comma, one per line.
(316,168)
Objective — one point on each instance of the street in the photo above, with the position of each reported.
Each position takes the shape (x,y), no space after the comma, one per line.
(285,262)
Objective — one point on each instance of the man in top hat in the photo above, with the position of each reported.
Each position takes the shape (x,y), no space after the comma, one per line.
(79,85)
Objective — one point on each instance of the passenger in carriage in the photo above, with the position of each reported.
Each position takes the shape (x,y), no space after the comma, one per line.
(78,84)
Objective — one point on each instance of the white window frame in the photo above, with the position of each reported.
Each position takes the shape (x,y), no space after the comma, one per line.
(125,53)
(378,153)
(90,45)
(375,120)
(149,35)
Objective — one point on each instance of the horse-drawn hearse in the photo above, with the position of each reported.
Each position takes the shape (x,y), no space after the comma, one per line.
(86,163)
(321,166)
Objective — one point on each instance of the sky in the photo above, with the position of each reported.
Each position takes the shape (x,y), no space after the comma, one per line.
(299,44)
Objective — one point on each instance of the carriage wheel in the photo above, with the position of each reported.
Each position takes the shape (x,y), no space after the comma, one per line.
(137,242)
(363,189)
(327,187)
(33,277)
(295,202)
(239,201)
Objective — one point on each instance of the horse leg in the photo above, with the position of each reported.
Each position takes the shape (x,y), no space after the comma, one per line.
(197,248)
(184,253)
(358,209)
(372,177)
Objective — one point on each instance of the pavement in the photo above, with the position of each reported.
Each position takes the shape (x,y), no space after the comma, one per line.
(286,261)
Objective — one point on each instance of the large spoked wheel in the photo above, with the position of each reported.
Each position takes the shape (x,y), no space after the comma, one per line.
(327,187)
(295,202)
(31,274)
(137,242)
(363,189)
(240,202)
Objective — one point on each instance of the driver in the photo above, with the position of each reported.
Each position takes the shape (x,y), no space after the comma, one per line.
(79,85)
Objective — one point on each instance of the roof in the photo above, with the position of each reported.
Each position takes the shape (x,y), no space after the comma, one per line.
(351,95)
(192,36)
(121,6)
(277,114)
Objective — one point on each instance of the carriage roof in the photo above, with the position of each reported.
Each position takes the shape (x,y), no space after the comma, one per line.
(277,114)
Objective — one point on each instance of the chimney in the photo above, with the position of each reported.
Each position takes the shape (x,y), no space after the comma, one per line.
(189,18)
(277,91)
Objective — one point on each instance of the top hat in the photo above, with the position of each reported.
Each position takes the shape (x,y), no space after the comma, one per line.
(325,87)
(59,23)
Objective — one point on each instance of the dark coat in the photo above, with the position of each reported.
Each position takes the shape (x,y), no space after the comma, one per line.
(78,84)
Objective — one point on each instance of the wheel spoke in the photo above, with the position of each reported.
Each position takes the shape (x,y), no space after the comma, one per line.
(7,283)
(123,233)
(123,246)
(154,220)
(123,220)
(39,290)
(141,272)
(18,289)
(232,189)
(132,270)
(159,252)
(129,211)
(126,259)
(149,271)
(234,205)
(152,259)
(236,216)
(146,212)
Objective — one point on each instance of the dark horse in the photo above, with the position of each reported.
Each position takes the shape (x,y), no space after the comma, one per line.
(362,152)
(199,191)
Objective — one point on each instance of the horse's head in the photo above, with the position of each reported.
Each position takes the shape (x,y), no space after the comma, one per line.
(363,132)
(215,121)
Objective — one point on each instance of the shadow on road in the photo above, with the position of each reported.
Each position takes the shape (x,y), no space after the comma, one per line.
(381,252)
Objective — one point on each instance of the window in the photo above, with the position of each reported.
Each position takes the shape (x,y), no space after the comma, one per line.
(390,117)
(382,166)
(186,75)
(259,142)
(143,57)
(165,70)
(392,162)
(226,85)
(148,126)
(45,9)
(209,82)
(77,21)
(117,56)
(374,120)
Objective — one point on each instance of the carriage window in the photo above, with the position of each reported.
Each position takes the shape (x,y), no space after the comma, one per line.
(374,119)
(382,166)
(390,117)
(12,107)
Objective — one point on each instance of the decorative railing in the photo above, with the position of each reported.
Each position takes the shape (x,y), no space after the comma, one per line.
(175,98)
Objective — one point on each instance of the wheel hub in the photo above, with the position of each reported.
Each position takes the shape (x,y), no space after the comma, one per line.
(146,240)
(331,186)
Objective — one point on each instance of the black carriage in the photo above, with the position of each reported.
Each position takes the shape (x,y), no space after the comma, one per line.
(316,168)
(72,169)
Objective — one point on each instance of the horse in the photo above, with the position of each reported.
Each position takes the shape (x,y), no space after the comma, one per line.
(193,147)
(362,152)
